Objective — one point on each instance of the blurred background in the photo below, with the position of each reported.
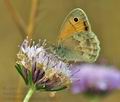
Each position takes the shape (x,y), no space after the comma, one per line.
(104,17)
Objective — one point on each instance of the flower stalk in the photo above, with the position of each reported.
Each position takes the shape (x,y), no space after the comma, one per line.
(95,99)
(29,94)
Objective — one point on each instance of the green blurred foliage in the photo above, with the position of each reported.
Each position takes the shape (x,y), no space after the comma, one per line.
(104,17)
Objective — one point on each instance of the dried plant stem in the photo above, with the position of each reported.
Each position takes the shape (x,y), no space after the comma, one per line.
(32,18)
(16,17)
(19,91)
(25,29)
(30,29)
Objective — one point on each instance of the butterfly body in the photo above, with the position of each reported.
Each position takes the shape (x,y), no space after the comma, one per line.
(76,41)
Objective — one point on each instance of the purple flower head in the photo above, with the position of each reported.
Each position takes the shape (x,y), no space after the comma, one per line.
(40,68)
(95,78)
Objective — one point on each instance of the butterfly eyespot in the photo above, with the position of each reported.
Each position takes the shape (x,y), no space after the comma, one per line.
(75,19)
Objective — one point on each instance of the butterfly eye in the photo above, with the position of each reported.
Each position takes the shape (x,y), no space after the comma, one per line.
(75,19)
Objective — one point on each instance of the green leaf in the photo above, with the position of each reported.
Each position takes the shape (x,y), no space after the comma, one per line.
(20,71)
(30,81)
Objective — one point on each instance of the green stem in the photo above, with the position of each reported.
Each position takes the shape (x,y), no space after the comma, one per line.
(95,99)
(29,94)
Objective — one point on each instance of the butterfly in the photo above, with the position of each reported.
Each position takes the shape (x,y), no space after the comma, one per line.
(76,41)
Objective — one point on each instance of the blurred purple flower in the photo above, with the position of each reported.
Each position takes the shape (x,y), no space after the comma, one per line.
(95,78)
